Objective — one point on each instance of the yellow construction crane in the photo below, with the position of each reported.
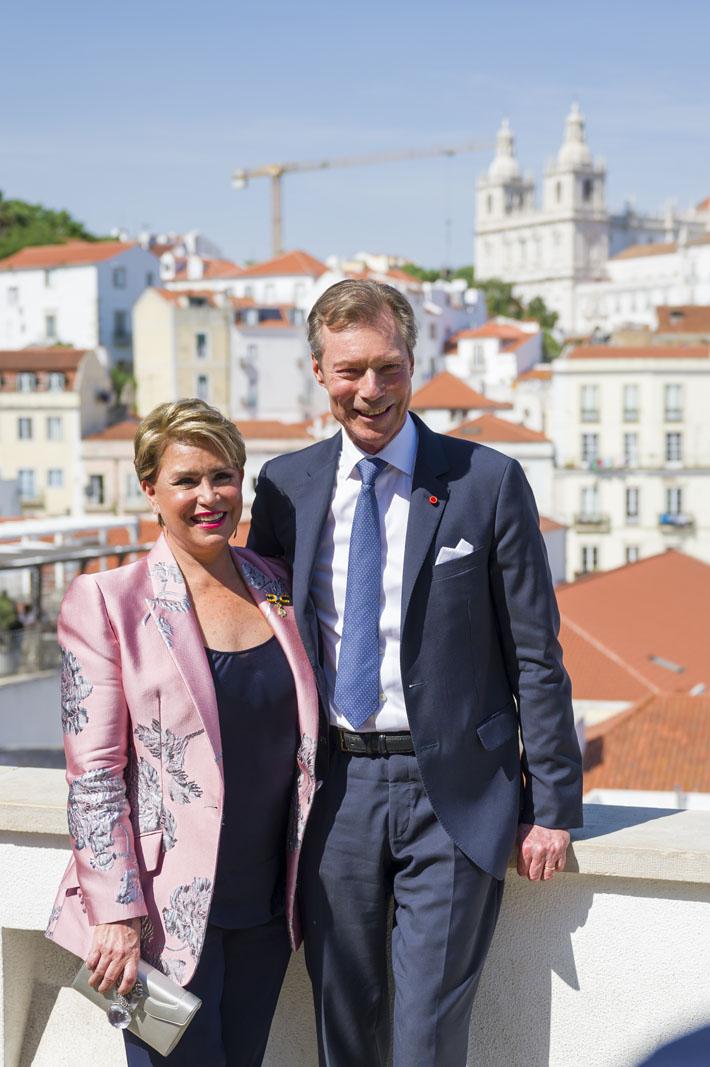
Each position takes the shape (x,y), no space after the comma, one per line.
(276,171)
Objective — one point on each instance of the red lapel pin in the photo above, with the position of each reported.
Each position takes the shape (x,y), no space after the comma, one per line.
(433,500)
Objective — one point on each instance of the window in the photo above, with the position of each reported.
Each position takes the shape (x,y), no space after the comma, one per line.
(49,279)
(13,296)
(26,483)
(587,189)
(202,387)
(673,403)
(26,382)
(95,489)
(150,278)
(632,503)
(133,489)
(432,331)
(119,277)
(631,449)
(589,403)
(24,429)
(479,359)
(56,381)
(252,352)
(55,430)
(589,502)
(674,501)
(201,345)
(558,192)
(632,553)
(55,478)
(590,447)
(674,447)
(631,403)
(50,327)
(120,326)
(589,558)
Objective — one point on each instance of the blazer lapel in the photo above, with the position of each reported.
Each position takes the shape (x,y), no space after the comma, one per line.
(173,614)
(312,500)
(426,508)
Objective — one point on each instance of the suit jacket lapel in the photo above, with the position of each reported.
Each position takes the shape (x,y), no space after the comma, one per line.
(312,500)
(426,508)
(172,612)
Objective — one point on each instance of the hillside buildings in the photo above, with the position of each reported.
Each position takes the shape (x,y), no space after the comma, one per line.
(80,293)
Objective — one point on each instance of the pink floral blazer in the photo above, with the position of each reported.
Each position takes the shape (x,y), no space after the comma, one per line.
(144,763)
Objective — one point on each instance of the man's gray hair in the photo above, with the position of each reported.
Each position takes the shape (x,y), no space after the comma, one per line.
(360,303)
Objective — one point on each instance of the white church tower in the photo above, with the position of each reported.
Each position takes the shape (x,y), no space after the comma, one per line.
(543,252)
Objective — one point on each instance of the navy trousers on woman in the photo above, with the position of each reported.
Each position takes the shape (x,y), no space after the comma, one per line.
(373,836)
(238,979)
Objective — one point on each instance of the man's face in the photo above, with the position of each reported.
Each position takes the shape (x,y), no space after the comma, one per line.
(368,374)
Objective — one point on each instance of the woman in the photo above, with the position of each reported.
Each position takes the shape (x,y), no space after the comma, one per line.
(190,713)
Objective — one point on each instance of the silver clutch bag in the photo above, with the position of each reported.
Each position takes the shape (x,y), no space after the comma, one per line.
(157,1010)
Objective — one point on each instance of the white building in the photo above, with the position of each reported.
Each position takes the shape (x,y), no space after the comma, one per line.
(549,250)
(49,399)
(632,441)
(491,358)
(80,293)
(531,398)
(640,279)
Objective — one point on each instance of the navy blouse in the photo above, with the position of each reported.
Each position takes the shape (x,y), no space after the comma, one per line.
(258,719)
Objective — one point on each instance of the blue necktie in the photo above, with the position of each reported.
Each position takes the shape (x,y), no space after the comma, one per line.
(357,683)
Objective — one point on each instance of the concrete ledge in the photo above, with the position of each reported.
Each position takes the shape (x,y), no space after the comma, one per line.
(615,842)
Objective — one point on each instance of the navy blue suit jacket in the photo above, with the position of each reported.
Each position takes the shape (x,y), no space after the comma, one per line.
(487,696)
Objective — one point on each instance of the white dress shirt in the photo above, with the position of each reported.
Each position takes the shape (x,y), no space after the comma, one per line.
(393,489)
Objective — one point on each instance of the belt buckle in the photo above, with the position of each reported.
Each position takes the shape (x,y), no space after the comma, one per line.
(382,747)
(341,740)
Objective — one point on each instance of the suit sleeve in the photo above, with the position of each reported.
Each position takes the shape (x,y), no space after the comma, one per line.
(263,537)
(528,623)
(95,723)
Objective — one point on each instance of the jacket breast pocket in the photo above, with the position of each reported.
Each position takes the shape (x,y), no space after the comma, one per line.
(456,568)
(498,728)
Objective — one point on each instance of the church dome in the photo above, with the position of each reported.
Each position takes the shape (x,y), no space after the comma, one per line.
(575,150)
(505,166)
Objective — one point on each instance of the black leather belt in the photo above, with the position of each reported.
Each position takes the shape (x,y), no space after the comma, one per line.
(372,744)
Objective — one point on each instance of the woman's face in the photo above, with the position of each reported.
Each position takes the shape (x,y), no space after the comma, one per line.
(199,498)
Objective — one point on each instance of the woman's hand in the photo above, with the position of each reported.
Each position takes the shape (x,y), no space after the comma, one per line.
(115,951)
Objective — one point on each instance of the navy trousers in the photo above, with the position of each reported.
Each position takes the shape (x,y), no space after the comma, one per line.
(238,979)
(372,840)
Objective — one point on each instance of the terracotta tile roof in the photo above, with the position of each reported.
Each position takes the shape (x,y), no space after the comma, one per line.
(488,428)
(271,428)
(212,269)
(41,359)
(543,374)
(446,391)
(683,318)
(393,275)
(660,249)
(704,205)
(639,352)
(661,743)
(69,254)
(290,263)
(618,624)
(502,330)
(548,525)
(120,431)
(182,296)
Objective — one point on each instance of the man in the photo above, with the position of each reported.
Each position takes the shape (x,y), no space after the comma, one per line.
(423,596)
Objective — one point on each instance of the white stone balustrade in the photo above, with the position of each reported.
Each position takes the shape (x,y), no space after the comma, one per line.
(595,969)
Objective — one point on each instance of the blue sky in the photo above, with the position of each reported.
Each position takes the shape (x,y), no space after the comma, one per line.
(138,114)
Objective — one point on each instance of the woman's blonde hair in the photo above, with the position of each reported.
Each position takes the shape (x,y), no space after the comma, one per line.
(190,421)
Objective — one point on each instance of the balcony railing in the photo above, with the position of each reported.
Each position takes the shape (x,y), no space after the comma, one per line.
(631,414)
(592,522)
(670,521)
(27,651)
(673,414)
(589,415)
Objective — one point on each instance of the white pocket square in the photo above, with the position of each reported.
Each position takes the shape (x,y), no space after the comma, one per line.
(446,554)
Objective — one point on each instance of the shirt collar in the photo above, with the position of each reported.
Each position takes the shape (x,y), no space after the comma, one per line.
(401,452)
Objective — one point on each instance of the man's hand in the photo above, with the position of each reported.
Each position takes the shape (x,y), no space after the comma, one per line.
(541,852)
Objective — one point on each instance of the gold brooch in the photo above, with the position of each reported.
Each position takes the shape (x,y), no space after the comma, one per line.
(282,601)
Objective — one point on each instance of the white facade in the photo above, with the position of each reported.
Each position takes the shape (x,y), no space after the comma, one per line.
(492,357)
(677,273)
(83,305)
(632,441)
(549,250)
(272,375)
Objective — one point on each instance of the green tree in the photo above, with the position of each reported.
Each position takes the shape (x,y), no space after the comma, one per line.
(23,224)
(468,274)
(121,377)
(424,274)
